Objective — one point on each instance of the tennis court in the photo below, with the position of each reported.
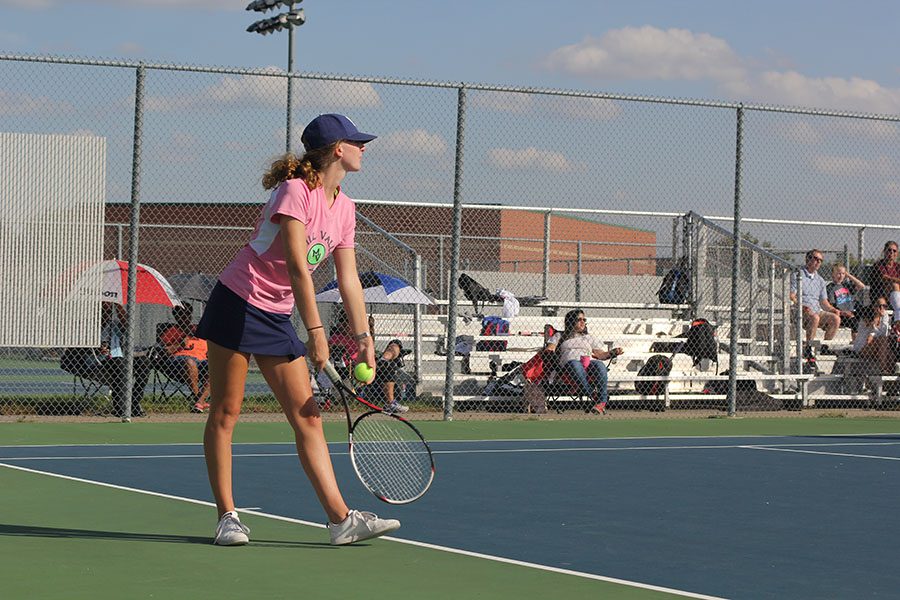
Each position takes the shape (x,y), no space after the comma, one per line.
(716,508)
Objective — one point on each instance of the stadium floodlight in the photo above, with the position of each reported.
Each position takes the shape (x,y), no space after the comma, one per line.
(295,18)
(286,20)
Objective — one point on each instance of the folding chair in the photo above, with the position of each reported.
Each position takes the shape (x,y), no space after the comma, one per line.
(84,365)
(558,383)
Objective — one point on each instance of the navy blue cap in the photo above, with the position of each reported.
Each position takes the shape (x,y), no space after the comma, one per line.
(327,129)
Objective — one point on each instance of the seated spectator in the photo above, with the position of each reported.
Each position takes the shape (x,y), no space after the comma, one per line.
(185,358)
(581,355)
(384,387)
(874,340)
(886,280)
(344,349)
(818,313)
(107,365)
(841,291)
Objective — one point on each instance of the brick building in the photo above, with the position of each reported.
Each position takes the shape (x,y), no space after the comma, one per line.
(203,238)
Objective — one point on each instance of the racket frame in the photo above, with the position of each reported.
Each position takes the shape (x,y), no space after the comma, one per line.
(344,390)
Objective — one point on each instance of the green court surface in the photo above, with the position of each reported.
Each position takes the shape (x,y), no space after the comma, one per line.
(62,538)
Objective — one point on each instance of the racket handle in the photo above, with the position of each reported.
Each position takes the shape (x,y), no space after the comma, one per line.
(331,372)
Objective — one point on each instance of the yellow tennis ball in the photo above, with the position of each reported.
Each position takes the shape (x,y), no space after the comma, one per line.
(363,372)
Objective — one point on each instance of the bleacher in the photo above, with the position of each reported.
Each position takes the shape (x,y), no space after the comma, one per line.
(841,380)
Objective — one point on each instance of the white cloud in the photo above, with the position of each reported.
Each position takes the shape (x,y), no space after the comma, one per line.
(854,93)
(414,141)
(649,53)
(17,105)
(818,130)
(530,158)
(253,91)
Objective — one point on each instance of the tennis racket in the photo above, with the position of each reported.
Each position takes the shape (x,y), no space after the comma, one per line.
(389,455)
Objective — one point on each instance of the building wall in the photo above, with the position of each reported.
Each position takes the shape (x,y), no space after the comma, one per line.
(203,238)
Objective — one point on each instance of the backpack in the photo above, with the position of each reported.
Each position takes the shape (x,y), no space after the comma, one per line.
(657,365)
(493,326)
(476,292)
(701,342)
(676,286)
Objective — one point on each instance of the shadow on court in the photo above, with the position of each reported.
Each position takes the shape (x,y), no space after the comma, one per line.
(90,534)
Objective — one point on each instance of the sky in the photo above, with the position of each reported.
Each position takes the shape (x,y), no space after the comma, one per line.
(828,53)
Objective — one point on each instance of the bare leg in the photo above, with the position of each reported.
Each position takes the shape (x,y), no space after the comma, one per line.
(812,323)
(830,323)
(388,392)
(192,376)
(289,381)
(227,376)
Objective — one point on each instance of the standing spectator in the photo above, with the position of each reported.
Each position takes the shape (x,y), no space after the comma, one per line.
(841,291)
(818,313)
(886,277)
(185,358)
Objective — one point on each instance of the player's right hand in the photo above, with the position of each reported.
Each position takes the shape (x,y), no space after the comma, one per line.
(317,349)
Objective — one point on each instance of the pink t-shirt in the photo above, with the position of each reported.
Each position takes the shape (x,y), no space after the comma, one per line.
(258,273)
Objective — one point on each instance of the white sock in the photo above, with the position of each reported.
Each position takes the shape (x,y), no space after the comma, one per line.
(895,304)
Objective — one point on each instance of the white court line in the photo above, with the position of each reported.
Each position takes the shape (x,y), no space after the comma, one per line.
(470,451)
(482,441)
(448,549)
(776,449)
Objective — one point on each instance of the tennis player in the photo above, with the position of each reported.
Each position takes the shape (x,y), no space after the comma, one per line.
(306,219)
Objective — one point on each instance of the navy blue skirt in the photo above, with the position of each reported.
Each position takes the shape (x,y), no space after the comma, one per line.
(231,322)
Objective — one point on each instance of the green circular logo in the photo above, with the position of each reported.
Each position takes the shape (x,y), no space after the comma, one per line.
(315,254)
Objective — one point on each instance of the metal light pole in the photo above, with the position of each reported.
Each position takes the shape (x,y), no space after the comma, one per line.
(287,20)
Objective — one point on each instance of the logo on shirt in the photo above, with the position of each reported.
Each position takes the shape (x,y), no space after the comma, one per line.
(315,254)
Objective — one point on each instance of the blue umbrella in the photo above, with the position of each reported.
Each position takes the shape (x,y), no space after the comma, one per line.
(378,288)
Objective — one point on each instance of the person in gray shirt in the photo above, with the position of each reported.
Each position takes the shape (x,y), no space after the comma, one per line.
(818,313)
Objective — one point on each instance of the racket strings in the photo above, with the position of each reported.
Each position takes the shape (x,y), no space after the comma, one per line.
(390,458)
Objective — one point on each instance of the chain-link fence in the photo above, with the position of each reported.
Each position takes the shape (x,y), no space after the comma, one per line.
(550,201)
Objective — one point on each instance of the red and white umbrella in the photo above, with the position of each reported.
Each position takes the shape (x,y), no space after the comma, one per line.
(152,287)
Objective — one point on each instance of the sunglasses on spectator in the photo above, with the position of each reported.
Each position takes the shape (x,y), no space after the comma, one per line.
(881,305)
(890,250)
(816,258)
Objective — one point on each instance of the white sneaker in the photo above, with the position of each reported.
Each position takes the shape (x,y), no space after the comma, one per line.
(230,531)
(359,526)
(396,407)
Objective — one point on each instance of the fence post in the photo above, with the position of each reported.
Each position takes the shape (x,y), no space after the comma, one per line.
(735,264)
(454,254)
(578,274)
(131,329)
(546,270)
(860,248)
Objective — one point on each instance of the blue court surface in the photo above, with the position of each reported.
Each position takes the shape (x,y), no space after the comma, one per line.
(740,517)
